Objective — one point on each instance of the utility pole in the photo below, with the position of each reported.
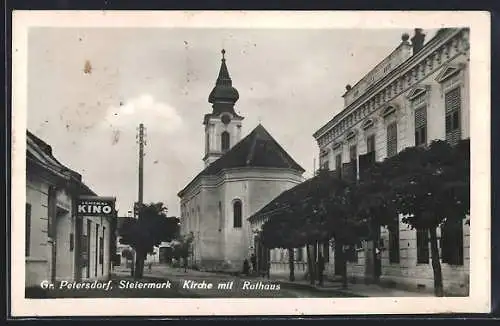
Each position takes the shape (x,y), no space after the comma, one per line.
(142,142)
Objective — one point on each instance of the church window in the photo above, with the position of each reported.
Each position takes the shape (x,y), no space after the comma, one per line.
(221,221)
(237,218)
(225,141)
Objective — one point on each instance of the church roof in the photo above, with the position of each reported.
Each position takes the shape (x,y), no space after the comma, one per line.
(257,149)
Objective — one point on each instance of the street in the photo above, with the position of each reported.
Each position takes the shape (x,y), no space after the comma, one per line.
(168,282)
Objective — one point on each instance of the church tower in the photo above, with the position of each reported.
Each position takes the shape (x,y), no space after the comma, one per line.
(223,124)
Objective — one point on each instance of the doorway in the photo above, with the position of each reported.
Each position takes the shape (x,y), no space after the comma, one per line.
(77,239)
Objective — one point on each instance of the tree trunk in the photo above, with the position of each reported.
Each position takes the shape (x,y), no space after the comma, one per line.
(343,262)
(310,265)
(291,264)
(436,264)
(139,263)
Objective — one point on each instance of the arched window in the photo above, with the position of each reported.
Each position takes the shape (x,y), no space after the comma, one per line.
(225,141)
(237,218)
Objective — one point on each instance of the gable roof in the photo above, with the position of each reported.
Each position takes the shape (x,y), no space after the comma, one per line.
(39,152)
(257,149)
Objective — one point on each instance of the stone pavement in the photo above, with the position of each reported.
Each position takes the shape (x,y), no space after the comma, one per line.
(329,286)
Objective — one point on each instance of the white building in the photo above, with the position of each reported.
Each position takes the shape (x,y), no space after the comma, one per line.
(240,177)
(419,93)
(60,245)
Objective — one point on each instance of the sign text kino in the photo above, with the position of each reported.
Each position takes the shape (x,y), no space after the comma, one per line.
(96,206)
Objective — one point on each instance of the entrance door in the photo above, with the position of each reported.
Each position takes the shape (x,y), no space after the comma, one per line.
(78,248)
(54,261)
(88,239)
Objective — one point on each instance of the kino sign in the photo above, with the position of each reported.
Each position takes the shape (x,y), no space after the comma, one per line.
(96,206)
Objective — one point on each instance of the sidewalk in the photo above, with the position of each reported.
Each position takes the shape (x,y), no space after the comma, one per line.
(353,289)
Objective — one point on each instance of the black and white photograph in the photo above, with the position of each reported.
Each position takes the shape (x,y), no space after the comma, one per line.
(255,158)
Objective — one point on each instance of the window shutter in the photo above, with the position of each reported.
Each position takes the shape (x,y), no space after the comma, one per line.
(452,107)
(392,145)
(420,117)
(452,100)
(420,126)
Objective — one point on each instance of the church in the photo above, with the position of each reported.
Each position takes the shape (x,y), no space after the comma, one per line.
(241,176)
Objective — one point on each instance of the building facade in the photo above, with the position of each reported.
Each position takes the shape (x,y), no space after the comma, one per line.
(419,93)
(59,243)
(240,176)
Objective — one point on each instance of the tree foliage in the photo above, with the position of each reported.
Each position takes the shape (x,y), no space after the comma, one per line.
(182,246)
(317,210)
(427,185)
(151,228)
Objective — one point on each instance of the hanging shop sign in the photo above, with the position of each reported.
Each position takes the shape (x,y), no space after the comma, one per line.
(95,206)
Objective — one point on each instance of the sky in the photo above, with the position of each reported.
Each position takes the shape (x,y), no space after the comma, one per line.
(89,88)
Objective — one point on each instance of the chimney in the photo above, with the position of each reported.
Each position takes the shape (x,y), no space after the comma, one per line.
(417,41)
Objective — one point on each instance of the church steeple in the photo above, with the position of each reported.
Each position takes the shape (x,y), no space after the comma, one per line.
(223,95)
(223,124)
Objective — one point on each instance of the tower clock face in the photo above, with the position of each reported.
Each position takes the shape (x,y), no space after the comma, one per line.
(225,119)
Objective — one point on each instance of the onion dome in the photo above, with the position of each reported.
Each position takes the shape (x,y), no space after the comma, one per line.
(223,92)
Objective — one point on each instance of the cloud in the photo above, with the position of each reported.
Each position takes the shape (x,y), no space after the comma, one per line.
(156,115)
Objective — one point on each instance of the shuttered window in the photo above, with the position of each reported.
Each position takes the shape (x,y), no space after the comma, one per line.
(421,126)
(392,139)
(422,246)
(452,109)
(28,230)
(394,244)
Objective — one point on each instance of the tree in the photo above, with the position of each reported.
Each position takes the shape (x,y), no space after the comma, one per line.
(151,228)
(182,248)
(316,211)
(428,186)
